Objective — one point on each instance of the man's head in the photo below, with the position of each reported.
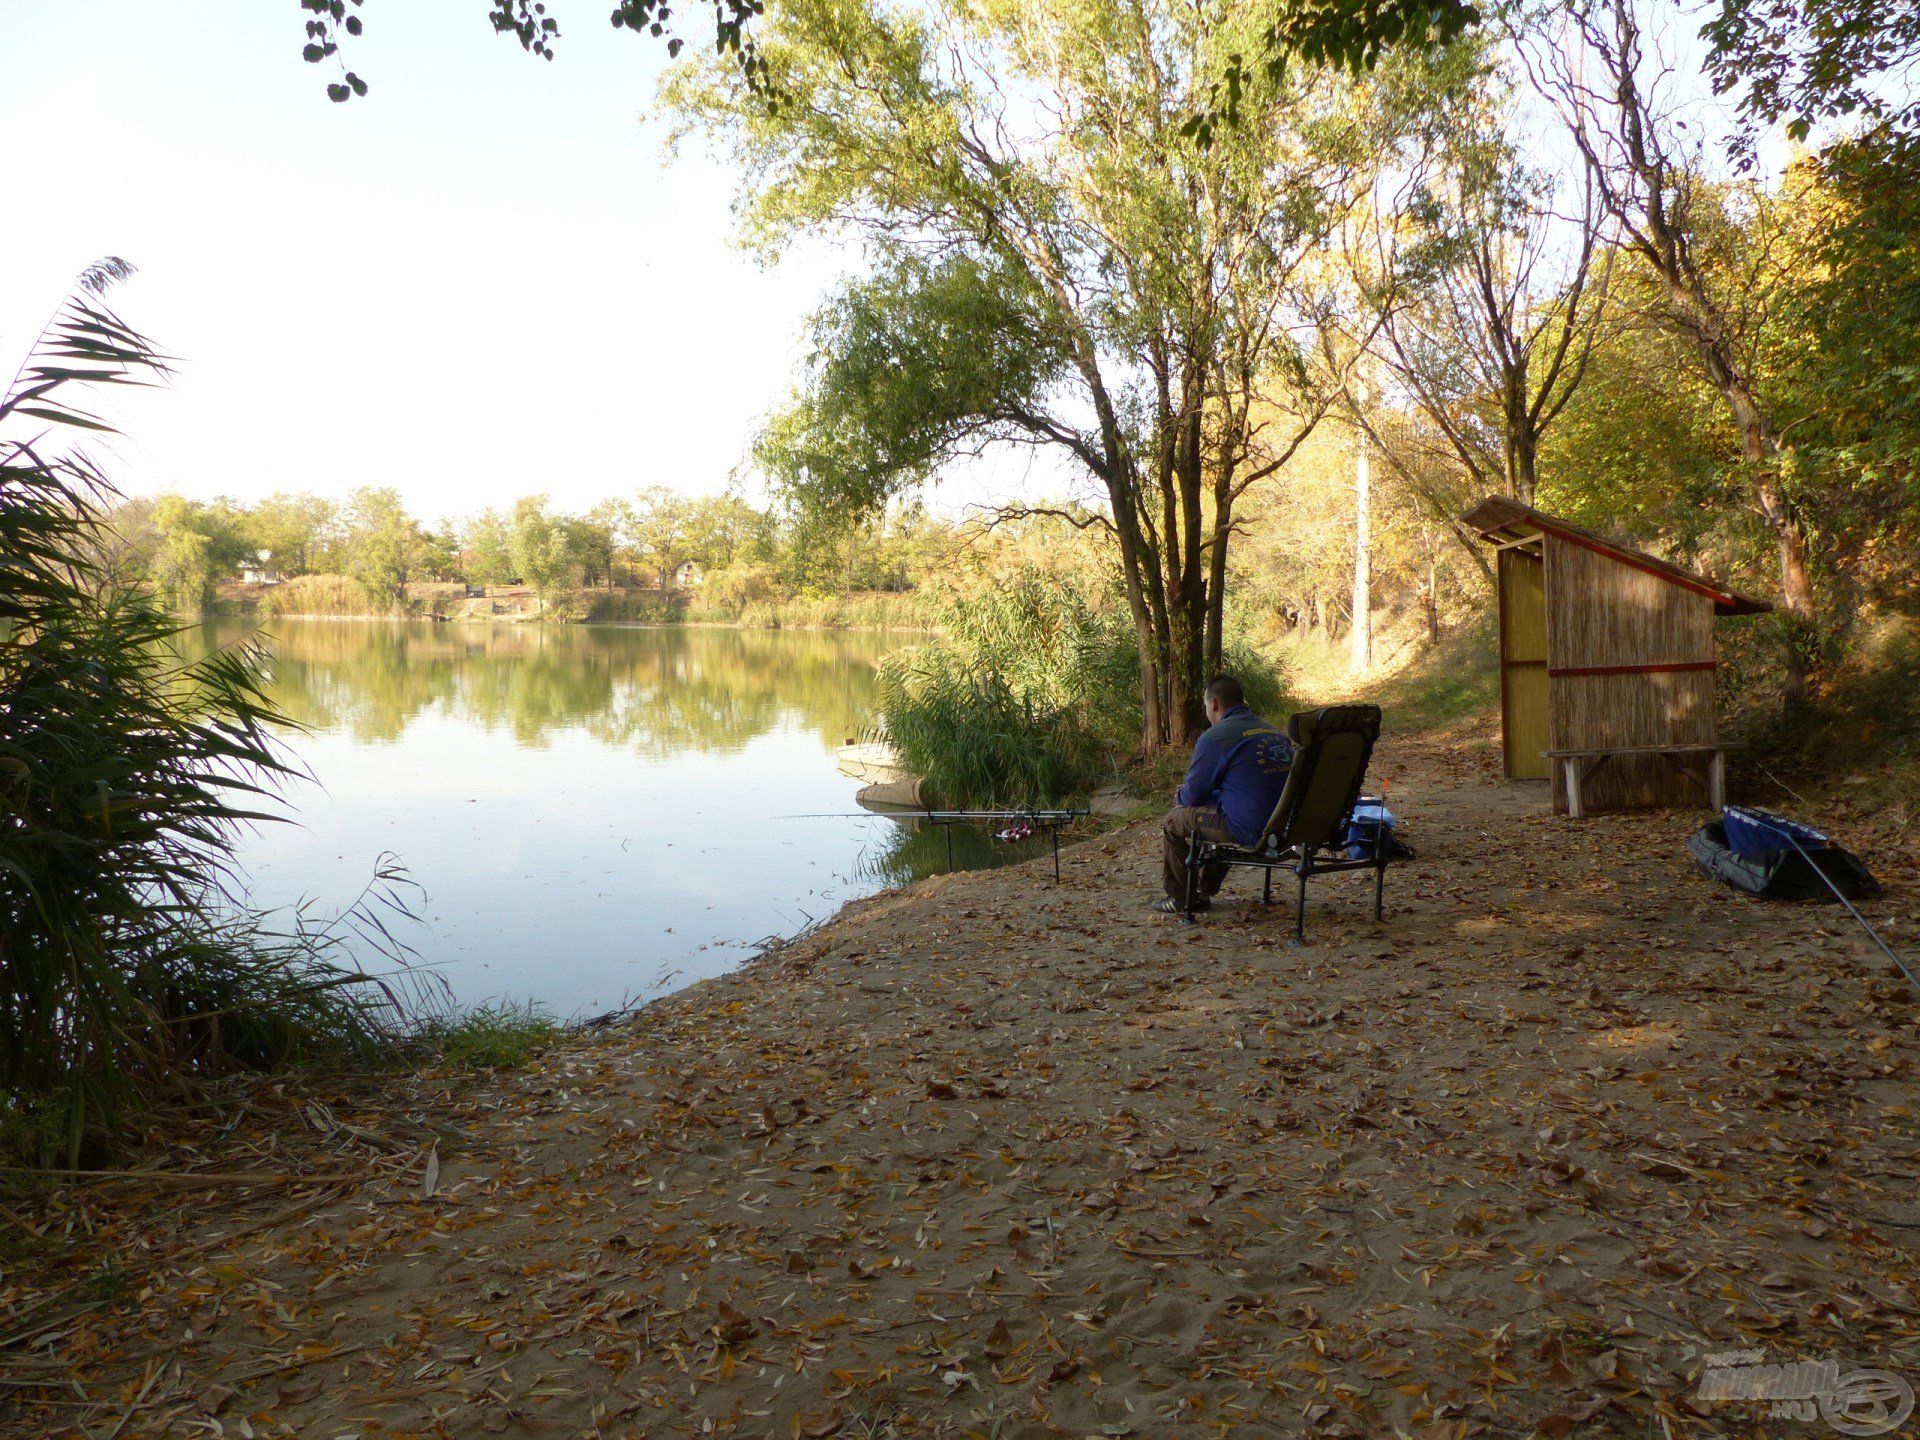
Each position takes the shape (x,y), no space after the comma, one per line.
(1223,694)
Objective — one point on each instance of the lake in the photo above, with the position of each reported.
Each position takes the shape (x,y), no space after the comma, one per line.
(595,814)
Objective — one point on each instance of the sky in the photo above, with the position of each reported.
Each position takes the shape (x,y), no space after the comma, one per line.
(478,282)
(481,281)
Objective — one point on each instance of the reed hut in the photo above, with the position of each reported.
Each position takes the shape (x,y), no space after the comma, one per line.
(1606,664)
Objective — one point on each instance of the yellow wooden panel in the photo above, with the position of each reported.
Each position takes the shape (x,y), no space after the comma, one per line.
(1527,739)
(1523,664)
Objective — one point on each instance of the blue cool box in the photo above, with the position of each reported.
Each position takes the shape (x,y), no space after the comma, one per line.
(1761,832)
(1371,824)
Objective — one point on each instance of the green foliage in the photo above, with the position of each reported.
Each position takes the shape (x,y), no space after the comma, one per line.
(182,566)
(1847,350)
(906,368)
(491,1037)
(657,533)
(1805,61)
(130,963)
(975,739)
(1351,35)
(1032,692)
(486,551)
(296,531)
(732,589)
(385,546)
(1075,275)
(543,548)
(319,595)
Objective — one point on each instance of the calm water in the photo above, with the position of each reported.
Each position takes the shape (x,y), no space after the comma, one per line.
(596,814)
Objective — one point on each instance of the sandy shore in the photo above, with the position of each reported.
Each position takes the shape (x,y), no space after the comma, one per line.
(994,1158)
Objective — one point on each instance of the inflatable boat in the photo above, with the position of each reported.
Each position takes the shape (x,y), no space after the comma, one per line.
(1788,873)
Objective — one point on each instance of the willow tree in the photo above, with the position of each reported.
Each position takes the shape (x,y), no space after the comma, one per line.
(1054,257)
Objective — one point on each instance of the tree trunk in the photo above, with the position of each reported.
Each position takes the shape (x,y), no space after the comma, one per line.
(1523,448)
(1134,562)
(1360,654)
(1214,660)
(1432,598)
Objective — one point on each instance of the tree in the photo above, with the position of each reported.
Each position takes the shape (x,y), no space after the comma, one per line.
(1106,285)
(542,547)
(719,528)
(1500,296)
(1350,33)
(295,529)
(735,586)
(385,546)
(486,552)
(601,539)
(1807,61)
(181,569)
(658,526)
(1607,88)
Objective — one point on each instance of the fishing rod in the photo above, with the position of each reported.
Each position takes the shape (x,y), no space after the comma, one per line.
(1056,816)
(1840,895)
(1827,880)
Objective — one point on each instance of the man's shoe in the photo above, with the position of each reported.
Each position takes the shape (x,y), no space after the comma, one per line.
(1167,905)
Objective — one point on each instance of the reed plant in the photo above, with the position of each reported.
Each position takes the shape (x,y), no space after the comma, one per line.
(334,595)
(1031,693)
(131,963)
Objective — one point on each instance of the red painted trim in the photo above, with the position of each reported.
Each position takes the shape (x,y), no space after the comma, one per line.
(1719,597)
(1667,669)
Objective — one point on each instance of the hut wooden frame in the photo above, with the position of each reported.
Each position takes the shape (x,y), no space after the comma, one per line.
(1606,653)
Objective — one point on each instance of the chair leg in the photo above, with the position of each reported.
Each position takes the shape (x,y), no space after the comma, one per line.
(1379,890)
(1266,885)
(1300,907)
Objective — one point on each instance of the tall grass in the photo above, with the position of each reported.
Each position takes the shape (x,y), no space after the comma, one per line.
(129,962)
(336,595)
(1030,696)
(977,741)
(855,610)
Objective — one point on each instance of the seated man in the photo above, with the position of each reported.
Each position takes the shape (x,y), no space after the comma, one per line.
(1239,766)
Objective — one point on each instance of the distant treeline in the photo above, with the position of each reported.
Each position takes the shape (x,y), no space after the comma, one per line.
(368,553)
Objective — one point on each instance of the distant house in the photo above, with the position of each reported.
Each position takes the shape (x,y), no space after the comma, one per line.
(259,570)
(687,575)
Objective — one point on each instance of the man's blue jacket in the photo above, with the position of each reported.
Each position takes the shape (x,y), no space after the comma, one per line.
(1239,766)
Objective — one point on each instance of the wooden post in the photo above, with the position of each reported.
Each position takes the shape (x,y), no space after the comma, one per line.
(1572,772)
(1717,780)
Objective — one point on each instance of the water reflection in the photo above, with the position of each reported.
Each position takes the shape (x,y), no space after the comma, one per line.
(655,691)
(596,813)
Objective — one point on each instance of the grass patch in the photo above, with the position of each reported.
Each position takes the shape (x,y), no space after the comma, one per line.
(1418,686)
(1457,681)
(492,1037)
(340,595)
(854,610)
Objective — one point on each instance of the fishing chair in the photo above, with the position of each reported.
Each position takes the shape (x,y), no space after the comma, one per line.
(1308,833)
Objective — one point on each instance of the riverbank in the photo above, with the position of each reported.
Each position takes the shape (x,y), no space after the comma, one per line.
(987,1156)
(336,597)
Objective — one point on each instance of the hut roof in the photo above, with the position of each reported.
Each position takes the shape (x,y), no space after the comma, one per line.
(1501,519)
